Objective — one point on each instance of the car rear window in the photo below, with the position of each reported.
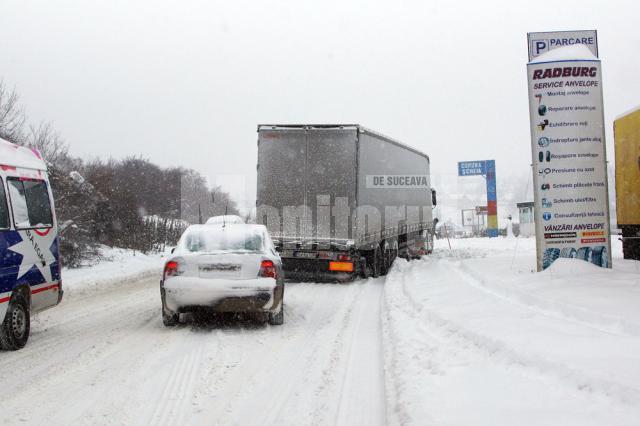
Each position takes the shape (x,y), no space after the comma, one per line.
(30,203)
(219,239)
(4,210)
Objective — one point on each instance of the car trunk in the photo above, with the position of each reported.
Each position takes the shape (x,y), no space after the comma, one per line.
(231,266)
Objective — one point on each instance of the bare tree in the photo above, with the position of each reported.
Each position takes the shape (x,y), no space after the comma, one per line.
(46,140)
(12,116)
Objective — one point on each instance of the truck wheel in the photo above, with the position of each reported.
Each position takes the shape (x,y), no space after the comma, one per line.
(395,252)
(376,262)
(387,258)
(14,331)
(631,242)
(364,268)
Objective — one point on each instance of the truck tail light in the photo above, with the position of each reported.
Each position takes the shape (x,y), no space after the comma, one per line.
(268,269)
(171,269)
(341,266)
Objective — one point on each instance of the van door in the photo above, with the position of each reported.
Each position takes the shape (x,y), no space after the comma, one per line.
(33,219)
(6,284)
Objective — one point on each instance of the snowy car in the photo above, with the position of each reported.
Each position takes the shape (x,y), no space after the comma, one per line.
(223,268)
(227,219)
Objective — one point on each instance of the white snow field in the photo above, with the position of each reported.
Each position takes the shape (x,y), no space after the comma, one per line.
(468,336)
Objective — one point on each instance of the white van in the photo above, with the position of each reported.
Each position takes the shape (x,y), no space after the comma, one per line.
(29,256)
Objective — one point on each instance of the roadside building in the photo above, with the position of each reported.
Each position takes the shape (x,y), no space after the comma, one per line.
(526,218)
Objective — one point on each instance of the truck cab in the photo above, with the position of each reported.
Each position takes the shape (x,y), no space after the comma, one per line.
(29,256)
(626,130)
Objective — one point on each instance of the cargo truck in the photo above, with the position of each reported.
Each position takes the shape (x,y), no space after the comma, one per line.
(627,144)
(341,200)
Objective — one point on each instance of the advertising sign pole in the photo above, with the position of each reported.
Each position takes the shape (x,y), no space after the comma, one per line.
(487,169)
(492,200)
(569,155)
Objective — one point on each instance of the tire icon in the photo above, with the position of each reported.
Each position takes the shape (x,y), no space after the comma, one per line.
(550,255)
(584,253)
(599,256)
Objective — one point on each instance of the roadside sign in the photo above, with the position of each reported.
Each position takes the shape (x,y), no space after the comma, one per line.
(467,217)
(569,161)
(472,168)
(543,42)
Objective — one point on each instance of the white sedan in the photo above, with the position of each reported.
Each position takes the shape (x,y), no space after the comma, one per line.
(223,268)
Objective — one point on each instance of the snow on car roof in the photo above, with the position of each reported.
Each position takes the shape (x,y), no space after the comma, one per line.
(228,219)
(13,155)
(220,238)
(249,227)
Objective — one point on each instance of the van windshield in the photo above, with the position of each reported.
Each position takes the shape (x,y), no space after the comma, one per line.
(221,239)
(30,203)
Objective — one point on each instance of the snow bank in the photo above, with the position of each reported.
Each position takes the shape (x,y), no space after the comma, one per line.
(473,335)
(119,267)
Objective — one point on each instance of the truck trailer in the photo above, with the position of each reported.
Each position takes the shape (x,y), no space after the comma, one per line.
(341,200)
(627,144)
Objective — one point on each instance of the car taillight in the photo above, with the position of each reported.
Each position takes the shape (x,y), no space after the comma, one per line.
(344,257)
(268,269)
(170,269)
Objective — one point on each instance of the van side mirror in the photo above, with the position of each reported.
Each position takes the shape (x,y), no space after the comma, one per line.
(434,201)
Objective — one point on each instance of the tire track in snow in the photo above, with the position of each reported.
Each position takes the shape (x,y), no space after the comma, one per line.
(299,366)
(68,347)
(177,393)
(362,397)
(79,363)
(261,382)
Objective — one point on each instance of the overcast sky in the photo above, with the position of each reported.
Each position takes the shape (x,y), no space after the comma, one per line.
(186,82)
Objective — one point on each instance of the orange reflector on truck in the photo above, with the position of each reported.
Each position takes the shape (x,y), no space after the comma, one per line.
(341,266)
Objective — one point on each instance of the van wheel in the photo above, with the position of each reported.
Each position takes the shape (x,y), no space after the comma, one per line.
(278,317)
(14,331)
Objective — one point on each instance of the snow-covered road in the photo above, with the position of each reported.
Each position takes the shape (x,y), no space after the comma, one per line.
(467,336)
(107,358)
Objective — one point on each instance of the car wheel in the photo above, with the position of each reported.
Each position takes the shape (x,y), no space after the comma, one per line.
(14,331)
(278,317)
(169,320)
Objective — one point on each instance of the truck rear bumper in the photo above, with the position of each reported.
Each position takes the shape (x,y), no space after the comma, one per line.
(316,270)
